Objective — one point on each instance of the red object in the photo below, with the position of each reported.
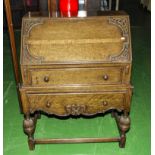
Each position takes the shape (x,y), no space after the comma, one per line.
(68,8)
(28,2)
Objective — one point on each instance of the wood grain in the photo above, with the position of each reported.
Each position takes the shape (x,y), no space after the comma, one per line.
(76,66)
(69,74)
(99,39)
(75,104)
(76,76)
(64,104)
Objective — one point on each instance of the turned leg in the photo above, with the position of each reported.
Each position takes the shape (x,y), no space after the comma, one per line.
(124,125)
(29,128)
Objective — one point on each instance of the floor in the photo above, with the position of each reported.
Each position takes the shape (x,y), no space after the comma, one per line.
(138,138)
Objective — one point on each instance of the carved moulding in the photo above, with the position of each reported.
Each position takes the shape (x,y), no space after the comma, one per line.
(28,24)
(74,110)
(122,23)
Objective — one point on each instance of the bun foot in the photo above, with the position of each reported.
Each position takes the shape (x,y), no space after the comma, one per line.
(29,125)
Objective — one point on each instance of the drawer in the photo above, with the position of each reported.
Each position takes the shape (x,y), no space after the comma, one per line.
(76,104)
(106,75)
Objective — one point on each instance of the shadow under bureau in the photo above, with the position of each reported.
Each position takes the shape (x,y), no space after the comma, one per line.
(76,66)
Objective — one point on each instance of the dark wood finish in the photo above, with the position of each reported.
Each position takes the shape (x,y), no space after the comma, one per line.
(75,140)
(78,88)
(80,46)
(49,7)
(52,8)
(76,66)
(32,74)
(76,104)
(123,123)
(105,75)
(29,125)
(13,49)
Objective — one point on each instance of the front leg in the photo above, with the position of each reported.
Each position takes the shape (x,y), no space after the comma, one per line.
(124,125)
(29,124)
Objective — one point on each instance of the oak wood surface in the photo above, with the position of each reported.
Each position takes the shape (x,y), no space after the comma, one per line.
(76,88)
(87,102)
(75,104)
(71,76)
(92,39)
(76,66)
(76,140)
(36,75)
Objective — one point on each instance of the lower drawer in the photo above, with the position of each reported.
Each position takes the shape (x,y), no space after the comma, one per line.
(64,104)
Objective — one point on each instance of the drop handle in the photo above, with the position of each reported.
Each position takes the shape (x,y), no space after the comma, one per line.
(46,79)
(48,104)
(105,103)
(105,77)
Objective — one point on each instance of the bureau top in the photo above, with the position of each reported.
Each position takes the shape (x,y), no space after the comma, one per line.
(100,39)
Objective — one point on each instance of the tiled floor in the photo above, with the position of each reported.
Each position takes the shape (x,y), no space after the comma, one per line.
(138,138)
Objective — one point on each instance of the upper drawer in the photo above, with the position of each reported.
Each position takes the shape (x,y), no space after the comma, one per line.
(75,40)
(105,75)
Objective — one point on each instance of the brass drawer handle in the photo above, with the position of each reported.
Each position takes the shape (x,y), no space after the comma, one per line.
(48,104)
(46,79)
(105,103)
(105,77)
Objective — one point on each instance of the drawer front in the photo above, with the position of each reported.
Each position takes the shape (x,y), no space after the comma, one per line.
(75,104)
(107,75)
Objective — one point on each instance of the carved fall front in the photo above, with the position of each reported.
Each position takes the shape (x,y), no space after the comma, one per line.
(109,42)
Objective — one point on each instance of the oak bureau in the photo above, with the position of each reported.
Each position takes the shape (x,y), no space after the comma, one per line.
(76,66)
